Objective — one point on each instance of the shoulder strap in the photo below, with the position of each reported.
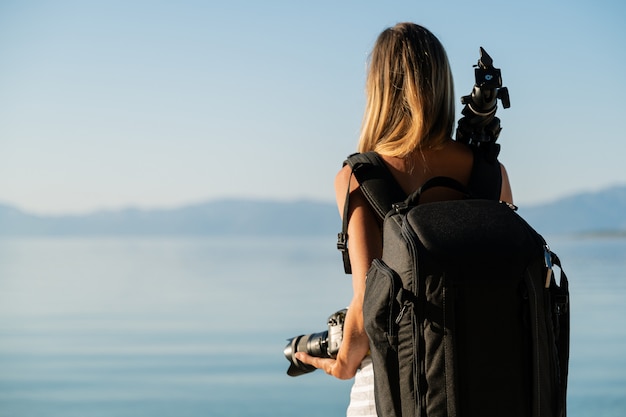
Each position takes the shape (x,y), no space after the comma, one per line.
(376,182)
(486,177)
(379,188)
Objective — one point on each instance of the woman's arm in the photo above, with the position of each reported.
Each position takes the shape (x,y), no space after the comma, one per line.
(365,243)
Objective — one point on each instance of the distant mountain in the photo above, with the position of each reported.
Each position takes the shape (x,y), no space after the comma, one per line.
(593,212)
(218,218)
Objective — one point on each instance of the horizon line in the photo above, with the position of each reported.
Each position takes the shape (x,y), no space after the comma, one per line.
(143,207)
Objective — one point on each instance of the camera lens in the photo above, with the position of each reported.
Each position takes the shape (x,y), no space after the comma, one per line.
(315,344)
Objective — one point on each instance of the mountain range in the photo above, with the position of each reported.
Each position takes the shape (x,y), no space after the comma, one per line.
(601,212)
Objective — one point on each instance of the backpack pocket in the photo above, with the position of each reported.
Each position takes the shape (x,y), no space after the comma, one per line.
(381,314)
(381,306)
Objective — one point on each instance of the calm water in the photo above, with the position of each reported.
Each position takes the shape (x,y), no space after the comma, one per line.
(196,327)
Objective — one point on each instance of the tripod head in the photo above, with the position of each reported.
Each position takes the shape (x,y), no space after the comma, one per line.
(479,125)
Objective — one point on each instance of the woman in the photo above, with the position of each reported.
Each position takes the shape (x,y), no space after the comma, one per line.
(408,121)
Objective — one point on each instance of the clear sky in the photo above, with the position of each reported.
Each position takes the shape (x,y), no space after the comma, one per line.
(112,104)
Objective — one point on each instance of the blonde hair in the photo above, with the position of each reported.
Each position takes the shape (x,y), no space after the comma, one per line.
(410,93)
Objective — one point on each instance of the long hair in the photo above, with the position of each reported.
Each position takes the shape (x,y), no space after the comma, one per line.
(410,93)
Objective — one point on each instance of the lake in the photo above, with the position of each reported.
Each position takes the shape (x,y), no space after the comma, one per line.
(196,326)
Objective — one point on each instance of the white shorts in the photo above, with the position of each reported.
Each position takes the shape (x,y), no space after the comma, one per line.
(362,402)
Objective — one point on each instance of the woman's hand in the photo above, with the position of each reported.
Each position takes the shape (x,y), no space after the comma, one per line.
(354,347)
(332,367)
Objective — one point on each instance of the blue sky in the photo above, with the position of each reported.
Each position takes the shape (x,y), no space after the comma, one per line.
(111,104)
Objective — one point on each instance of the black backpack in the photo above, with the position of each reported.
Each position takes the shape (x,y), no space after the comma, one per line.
(463,312)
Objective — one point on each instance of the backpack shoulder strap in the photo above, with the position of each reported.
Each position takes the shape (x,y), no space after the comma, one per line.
(376,182)
(379,188)
(486,177)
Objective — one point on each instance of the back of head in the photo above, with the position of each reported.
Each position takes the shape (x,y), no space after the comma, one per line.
(410,93)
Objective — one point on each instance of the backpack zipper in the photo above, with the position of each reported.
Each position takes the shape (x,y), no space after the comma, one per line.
(547,258)
(410,238)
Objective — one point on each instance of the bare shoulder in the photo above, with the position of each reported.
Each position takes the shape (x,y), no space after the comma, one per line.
(506,193)
(342,182)
(458,146)
(342,179)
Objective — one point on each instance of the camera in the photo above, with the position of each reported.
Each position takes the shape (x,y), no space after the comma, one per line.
(322,345)
(479,125)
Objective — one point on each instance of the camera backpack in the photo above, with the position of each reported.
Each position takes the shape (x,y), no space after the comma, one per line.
(463,311)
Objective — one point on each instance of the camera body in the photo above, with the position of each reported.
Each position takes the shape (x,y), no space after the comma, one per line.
(324,344)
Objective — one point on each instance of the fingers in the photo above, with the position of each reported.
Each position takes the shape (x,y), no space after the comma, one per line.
(325,364)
